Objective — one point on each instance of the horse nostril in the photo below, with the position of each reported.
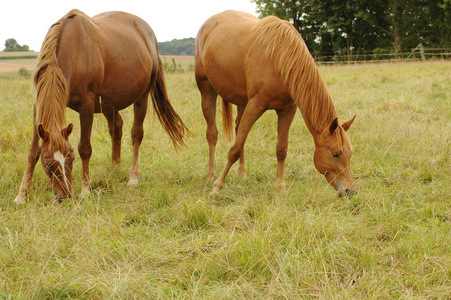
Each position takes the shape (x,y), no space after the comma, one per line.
(350,193)
(59,199)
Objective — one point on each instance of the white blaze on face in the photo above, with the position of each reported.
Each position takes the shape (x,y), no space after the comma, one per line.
(59,157)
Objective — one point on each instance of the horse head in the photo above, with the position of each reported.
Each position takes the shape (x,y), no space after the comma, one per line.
(332,157)
(58,161)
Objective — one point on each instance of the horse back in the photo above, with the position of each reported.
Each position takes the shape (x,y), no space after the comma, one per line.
(226,47)
(112,54)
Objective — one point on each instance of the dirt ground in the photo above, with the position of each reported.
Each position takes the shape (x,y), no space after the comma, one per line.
(13,67)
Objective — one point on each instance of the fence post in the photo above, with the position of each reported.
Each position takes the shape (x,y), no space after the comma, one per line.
(413,54)
(422,52)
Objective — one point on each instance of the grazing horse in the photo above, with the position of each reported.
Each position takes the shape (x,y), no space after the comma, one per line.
(98,65)
(260,65)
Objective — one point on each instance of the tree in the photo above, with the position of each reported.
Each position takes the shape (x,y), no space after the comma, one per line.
(177,47)
(12,45)
(332,26)
(357,26)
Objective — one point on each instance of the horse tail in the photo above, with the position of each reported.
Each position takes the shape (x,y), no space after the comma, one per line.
(170,120)
(227,120)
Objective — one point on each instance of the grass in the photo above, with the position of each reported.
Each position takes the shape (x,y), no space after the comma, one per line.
(18,55)
(167,238)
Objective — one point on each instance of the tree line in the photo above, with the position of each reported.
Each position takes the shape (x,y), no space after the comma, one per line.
(355,27)
(12,45)
(177,47)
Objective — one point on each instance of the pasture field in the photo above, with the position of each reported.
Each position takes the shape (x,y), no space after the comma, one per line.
(168,239)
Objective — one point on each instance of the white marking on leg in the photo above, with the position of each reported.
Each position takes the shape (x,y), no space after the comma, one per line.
(59,157)
(20,199)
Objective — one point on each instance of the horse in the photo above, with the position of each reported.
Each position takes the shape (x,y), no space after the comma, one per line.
(94,65)
(259,65)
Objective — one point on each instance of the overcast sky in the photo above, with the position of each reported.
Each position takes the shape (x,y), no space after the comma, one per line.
(27,21)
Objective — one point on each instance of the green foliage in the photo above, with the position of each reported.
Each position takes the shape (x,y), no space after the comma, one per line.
(168,239)
(177,47)
(12,45)
(24,73)
(358,26)
(178,65)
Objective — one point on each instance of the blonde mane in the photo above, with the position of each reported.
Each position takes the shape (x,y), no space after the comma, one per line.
(298,71)
(51,88)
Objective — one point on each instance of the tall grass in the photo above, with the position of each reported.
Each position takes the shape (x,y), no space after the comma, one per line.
(167,238)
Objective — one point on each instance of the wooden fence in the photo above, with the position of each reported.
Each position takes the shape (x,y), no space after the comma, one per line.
(418,53)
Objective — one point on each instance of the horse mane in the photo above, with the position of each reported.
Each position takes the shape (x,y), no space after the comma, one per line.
(298,71)
(51,88)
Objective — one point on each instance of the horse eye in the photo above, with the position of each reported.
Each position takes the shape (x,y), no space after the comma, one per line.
(336,155)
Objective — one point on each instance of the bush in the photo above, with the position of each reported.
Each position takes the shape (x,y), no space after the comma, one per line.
(24,73)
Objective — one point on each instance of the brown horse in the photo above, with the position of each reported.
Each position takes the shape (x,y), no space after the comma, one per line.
(260,65)
(98,65)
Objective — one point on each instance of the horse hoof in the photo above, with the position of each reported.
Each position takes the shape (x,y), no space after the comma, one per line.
(20,200)
(132,182)
(85,193)
(215,191)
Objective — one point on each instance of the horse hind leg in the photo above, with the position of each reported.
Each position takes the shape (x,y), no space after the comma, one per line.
(140,109)
(115,128)
(209,96)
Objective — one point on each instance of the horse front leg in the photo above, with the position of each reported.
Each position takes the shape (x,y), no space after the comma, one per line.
(139,109)
(84,147)
(285,118)
(32,159)
(251,114)
(115,124)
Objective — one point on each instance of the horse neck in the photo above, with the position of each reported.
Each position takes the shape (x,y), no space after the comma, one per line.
(51,98)
(298,71)
(315,102)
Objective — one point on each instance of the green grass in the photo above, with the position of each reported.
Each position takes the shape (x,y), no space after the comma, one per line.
(167,238)
(19,55)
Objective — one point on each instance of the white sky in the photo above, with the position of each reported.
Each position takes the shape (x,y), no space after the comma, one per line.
(27,21)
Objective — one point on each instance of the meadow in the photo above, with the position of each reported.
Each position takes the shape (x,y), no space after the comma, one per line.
(167,238)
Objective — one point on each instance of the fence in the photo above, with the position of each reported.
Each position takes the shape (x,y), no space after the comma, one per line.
(418,53)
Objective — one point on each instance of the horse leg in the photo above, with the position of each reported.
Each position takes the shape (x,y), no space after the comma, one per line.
(33,157)
(209,97)
(242,170)
(84,147)
(115,128)
(285,118)
(139,109)
(251,113)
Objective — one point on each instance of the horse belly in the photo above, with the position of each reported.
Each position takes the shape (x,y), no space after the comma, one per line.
(230,85)
(124,86)
(225,70)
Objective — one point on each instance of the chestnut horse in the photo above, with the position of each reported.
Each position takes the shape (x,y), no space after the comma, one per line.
(260,65)
(98,65)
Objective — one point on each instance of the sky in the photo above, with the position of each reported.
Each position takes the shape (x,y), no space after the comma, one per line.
(28,21)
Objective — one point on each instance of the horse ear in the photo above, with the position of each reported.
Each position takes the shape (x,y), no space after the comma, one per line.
(333,126)
(347,124)
(67,131)
(44,135)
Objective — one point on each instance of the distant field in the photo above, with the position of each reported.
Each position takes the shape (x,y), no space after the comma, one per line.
(18,55)
(12,62)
